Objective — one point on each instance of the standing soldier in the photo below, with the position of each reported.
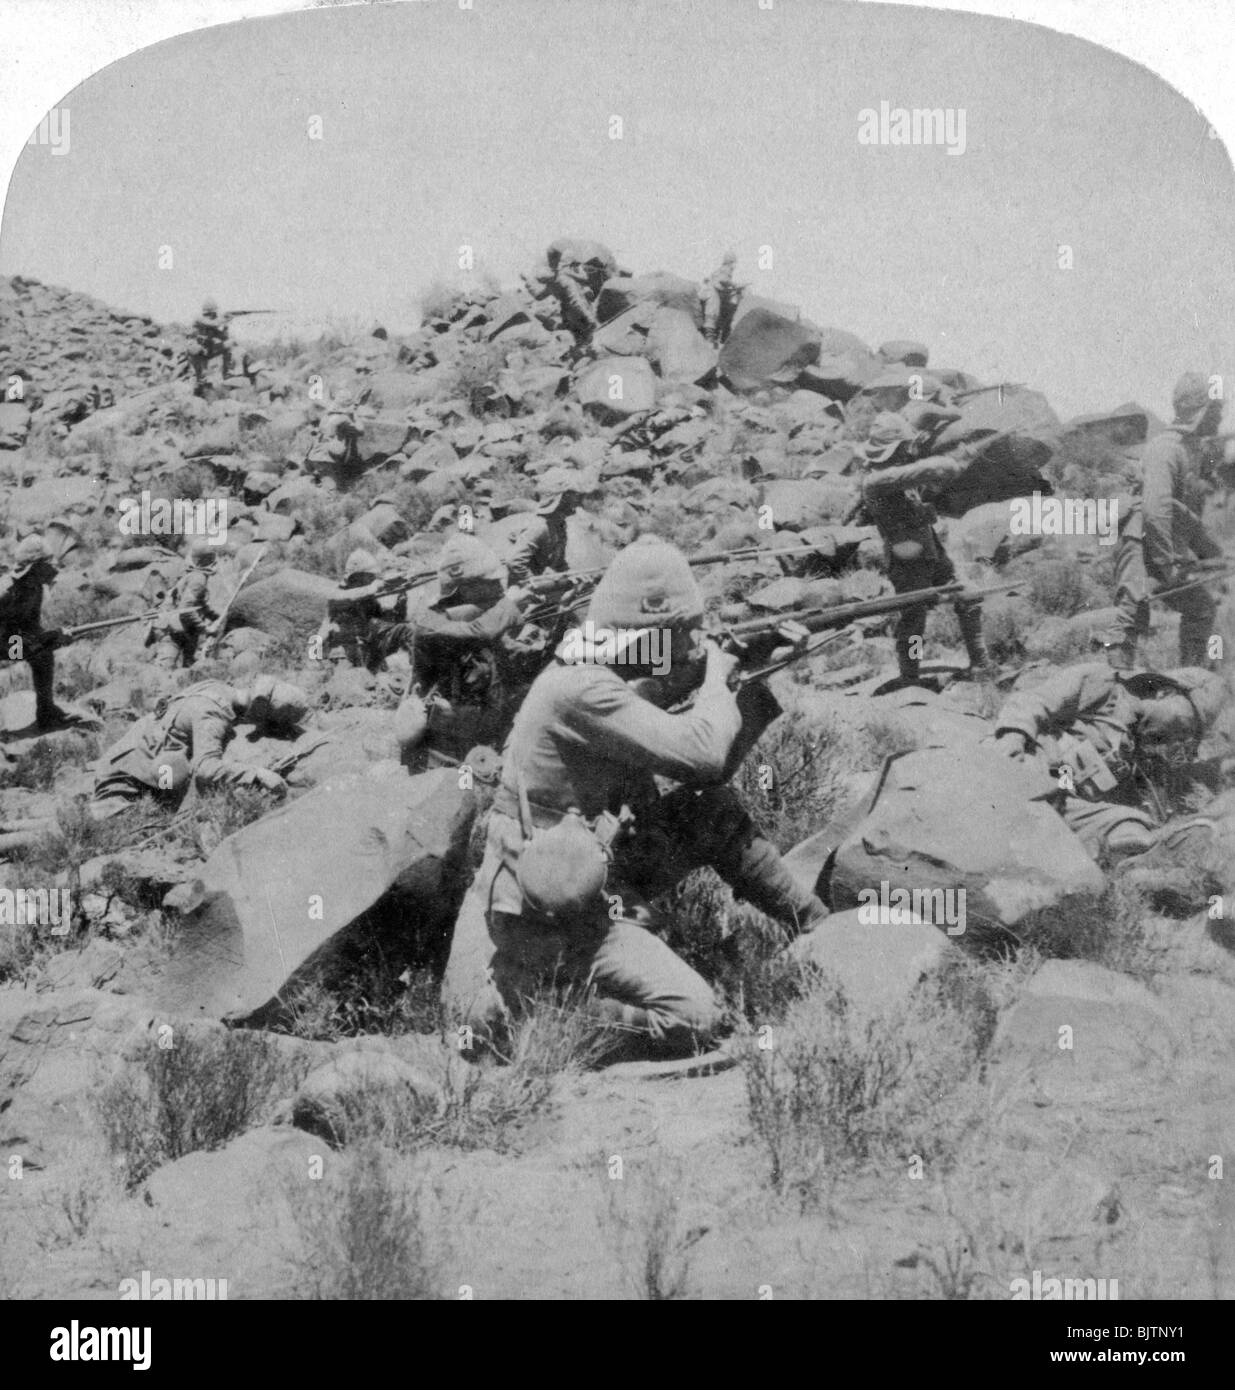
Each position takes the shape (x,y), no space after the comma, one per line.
(572,289)
(464,690)
(189,615)
(335,452)
(209,339)
(22,637)
(578,770)
(186,739)
(1162,535)
(718,298)
(891,481)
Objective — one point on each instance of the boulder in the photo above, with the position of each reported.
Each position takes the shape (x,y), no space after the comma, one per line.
(983,823)
(289,603)
(878,966)
(280,894)
(677,348)
(1081,1033)
(615,388)
(766,348)
(799,503)
(359,1090)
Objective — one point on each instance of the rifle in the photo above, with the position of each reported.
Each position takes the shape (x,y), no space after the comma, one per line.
(65,635)
(584,580)
(759,636)
(245,313)
(1206,577)
(221,623)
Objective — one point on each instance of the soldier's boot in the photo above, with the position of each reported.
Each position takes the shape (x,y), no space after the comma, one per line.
(47,714)
(969,619)
(762,878)
(907,666)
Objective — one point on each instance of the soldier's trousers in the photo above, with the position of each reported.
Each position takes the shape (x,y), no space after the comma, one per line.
(1107,829)
(1134,585)
(932,568)
(499,959)
(42,664)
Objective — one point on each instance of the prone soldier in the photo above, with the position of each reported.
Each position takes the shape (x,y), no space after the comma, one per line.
(186,739)
(1123,747)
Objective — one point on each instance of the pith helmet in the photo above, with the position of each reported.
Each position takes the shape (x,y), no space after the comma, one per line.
(31,552)
(201,553)
(648,582)
(360,562)
(276,702)
(888,432)
(1205,689)
(210,310)
(465,560)
(1191,400)
(556,483)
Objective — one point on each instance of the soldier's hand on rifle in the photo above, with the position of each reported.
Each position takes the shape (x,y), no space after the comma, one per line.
(53,639)
(721,664)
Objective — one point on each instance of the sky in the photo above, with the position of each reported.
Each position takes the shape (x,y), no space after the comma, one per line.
(1079,243)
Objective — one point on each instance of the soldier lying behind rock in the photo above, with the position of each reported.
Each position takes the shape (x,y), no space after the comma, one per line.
(186,739)
(1123,747)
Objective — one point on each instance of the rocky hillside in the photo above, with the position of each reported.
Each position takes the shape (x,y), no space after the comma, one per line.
(894,1115)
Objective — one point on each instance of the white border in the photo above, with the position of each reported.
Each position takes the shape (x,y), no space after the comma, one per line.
(48,47)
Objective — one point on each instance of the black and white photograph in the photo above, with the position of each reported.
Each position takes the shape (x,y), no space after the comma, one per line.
(613,674)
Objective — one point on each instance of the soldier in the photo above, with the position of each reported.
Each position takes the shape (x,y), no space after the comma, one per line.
(363,624)
(189,617)
(460,637)
(534,543)
(571,285)
(335,452)
(186,738)
(1161,535)
(718,299)
(579,767)
(209,339)
(22,637)
(891,483)
(1123,748)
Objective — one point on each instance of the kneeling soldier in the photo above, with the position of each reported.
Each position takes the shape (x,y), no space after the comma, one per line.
(578,775)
